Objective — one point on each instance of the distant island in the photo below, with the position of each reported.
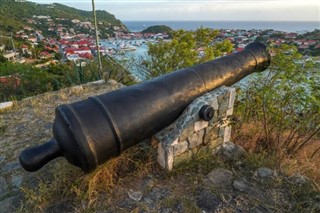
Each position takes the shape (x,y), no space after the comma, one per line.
(158,29)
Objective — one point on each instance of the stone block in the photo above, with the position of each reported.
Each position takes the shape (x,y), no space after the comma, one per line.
(187,132)
(224,105)
(215,103)
(169,157)
(215,143)
(180,148)
(184,157)
(232,97)
(196,139)
(227,134)
(189,135)
(221,131)
(229,111)
(211,135)
(161,158)
(199,125)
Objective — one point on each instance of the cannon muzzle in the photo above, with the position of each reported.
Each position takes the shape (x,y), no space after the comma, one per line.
(89,132)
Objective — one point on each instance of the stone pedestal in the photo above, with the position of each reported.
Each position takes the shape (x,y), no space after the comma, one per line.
(189,133)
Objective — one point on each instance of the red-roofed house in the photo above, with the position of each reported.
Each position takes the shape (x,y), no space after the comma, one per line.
(45,55)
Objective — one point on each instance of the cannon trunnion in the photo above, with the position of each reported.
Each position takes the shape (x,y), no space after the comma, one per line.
(89,132)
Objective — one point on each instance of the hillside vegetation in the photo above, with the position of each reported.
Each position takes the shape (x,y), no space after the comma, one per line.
(158,29)
(14,15)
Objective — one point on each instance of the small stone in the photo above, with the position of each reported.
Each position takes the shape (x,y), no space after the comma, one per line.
(199,125)
(232,151)
(157,194)
(3,187)
(76,89)
(241,185)
(207,201)
(6,105)
(135,195)
(220,177)
(264,172)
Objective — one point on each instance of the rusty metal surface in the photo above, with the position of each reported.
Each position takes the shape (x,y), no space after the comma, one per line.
(89,132)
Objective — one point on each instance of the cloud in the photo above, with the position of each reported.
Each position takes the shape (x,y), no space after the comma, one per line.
(204,9)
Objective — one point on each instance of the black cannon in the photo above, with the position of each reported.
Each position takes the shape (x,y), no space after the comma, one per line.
(89,132)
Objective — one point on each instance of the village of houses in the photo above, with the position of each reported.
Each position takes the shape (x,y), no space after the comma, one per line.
(67,42)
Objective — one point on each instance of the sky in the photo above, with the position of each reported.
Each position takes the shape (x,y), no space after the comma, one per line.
(210,10)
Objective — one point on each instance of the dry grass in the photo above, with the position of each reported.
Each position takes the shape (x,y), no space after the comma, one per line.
(249,136)
(62,184)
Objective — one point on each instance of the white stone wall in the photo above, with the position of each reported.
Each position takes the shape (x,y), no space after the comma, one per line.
(189,133)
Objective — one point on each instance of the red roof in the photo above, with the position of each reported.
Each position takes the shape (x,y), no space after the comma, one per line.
(86,55)
(68,52)
(44,53)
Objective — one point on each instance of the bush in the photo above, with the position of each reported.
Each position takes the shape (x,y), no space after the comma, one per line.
(283,103)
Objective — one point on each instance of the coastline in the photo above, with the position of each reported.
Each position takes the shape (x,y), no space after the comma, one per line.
(286,26)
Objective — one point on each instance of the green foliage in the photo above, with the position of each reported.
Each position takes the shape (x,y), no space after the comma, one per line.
(14,14)
(2,59)
(183,51)
(158,29)
(283,102)
(32,81)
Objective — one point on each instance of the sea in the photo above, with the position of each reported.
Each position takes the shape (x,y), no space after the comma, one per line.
(286,26)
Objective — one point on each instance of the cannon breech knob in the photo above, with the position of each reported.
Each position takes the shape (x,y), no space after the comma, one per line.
(206,112)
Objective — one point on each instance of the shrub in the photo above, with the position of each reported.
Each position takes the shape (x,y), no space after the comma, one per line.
(283,103)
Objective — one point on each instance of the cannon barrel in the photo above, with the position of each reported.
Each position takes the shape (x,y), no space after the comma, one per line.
(89,132)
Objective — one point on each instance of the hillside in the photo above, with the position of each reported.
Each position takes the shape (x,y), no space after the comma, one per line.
(14,15)
(158,29)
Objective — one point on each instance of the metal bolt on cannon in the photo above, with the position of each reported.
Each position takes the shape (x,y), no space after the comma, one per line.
(89,132)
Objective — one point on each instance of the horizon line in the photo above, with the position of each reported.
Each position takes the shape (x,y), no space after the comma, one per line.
(233,20)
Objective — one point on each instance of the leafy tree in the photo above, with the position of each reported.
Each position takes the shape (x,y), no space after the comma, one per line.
(283,103)
(31,81)
(186,48)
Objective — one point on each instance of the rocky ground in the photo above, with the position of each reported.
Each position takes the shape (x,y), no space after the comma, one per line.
(231,181)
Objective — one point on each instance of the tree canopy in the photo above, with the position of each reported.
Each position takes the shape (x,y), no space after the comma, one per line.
(186,48)
(158,29)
